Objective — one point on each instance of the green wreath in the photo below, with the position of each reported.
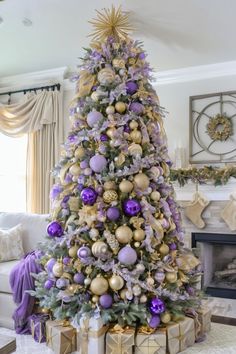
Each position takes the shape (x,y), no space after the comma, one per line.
(219,128)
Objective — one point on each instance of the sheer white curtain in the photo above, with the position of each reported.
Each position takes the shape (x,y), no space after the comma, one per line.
(40,116)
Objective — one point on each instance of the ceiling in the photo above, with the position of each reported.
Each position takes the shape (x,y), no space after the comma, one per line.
(176,34)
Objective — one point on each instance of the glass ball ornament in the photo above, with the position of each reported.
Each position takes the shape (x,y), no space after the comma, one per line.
(113,213)
(127,256)
(79,278)
(126,186)
(99,286)
(57,269)
(49,283)
(171,277)
(88,196)
(110,110)
(154,321)
(83,252)
(110,196)
(73,251)
(95,299)
(164,249)
(159,276)
(165,317)
(62,283)
(49,265)
(98,163)
(87,171)
(137,108)
(116,282)
(156,306)
(79,152)
(155,195)
(87,281)
(140,267)
(106,76)
(131,207)
(93,118)
(141,181)
(104,138)
(99,249)
(106,301)
(136,290)
(131,87)
(143,299)
(124,234)
(139,235)
(54,229)
(120,107)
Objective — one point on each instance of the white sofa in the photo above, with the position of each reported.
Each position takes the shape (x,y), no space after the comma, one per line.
(34,230)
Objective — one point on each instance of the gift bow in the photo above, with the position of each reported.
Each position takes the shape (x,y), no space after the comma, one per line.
(50,336)
(117,329)
(85,333)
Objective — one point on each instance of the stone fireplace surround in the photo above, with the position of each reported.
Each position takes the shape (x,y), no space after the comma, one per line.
(218,197)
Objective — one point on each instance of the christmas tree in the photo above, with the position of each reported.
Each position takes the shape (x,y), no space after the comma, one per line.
(115,243)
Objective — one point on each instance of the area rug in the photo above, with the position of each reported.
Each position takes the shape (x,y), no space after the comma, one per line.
(221,340)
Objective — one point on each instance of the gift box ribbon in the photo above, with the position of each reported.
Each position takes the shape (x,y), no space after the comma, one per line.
(85,333)
(117,329)
(50,336)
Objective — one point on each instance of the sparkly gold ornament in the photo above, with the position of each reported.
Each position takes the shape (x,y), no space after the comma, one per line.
(141,181)
(155,195)
(109,185)
(99,286)
(110,110)
(165,317)
(80,152)
(106,76)
(57,269)
(123,293)
(73,251)
(120,107)
(73,288)
(118,63)
(171,277)
(110,23)
(139,235)
(95,299)
(99,248)
(124,234)
(136,136)
(88,270)
(126,186)
(136,222)
(135,149)
(133,124)
(116,282)
(164,249)
(111,132)
(110,196)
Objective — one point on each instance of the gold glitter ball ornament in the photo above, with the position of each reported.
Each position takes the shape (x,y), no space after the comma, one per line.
(111,132)
(133,124)
(120,107)
(164,249)
(99,286)
(106,76)
(116,282)
(171,277)
(73,251)
(57,269)
(110,196)
(126,186)
(141,181)
(124,234)
(95,299)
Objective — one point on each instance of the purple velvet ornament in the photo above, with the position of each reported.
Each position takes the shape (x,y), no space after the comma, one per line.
(113,213)
(156,306)
(49,284)
(106,301)
(84,164)
(104,137)
(50,264)
(94,118)
(98,163)
(79,278)
(131,207)
(131,87)
(136,107)
(66,260)
(154,321)
(88,196)
(54,229)
(83,252)
(127,255)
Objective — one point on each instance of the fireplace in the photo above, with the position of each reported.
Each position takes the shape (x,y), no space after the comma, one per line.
(217,253)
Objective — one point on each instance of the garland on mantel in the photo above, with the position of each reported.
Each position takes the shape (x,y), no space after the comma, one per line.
(203,175)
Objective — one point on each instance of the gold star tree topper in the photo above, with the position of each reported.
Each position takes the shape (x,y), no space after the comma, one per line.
(111,22)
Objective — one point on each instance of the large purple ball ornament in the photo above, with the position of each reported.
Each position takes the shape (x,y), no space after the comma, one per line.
(113,213)
(154,321)
(54,229)
(127,255)
(94,118)
(136,107)
(131,87)
(156,306)
(98,163)
(106,301)
(131,207)
(83,252)
(49,284)
(79,278)
(88,196)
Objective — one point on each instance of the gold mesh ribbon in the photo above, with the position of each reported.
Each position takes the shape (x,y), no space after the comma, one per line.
(146,330)
(85,333)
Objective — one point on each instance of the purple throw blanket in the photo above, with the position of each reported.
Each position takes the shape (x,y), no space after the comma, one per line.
(20,281)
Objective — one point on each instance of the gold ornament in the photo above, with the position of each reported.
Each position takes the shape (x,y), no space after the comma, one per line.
(110,110)
(136,244)
(171,277)
(150,281)
(124,234)
(118,63)
(80,152)
(135,149)
(143,299)
(57,269)
(109,185)
(111,22)
(133,124)
(73,203)
(164,249)
(126,186)
(136,290)
(165,317)
(116,282)
(87,281)
(99,286)
(67,276)
(155,195)
(45,310)
(187,262)
(120,159)
(141,181)
(87,214)
(95,299)
(123,293)
(120,107)
(136,136)
(75,169)
(106,76)
(99,248)
(85,84)
(136,222)
(111,132)
(139,235)
(73,288)
(95,96)
(110,196)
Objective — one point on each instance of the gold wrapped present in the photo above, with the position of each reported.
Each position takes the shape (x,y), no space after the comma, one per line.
(120,340)
(204,317)
(180,335)
(61,337)
(150,341)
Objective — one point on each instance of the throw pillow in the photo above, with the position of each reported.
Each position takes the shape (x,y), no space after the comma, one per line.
(11,243)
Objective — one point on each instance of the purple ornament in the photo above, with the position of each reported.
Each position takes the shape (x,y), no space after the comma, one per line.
(131,87)
(113,213)
(142,56)
(104,137)
(98,163)
(154,321)
(50,264)
(172,246)
(55,191)
(88,196)
(127,129)
(156,306)
(106,301)
(159,276)
(62,283)
(80,186)
(94,118)
(48,284)
(190,290)
(54,229)
(66,260)
(66,298)
(131,207)
(136,107)
(79,278)
(127,255)
(84,164)
(83,252)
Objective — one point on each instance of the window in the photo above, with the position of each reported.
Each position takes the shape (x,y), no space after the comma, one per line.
(13,173)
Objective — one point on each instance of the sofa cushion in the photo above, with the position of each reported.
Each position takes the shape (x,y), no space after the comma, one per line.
(5,270)
(11,244)
(33,225)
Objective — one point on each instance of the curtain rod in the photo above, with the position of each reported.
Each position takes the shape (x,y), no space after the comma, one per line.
(32,89)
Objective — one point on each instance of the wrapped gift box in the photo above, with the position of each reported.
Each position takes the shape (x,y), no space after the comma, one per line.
(150,343)
(38,327)
(61,337)
(120,340)
(91,336)
(204,317)
(180,335)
